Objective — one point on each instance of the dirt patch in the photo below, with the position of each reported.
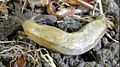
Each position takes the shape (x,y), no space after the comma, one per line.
(105,54)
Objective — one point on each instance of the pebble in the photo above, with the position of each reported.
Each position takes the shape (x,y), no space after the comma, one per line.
(97,47)
(117,36)
(68,19)
(117,65)
(114,62)
(46,19)
(112,33)
(117,29)
(69,24)
(87,64)
(39,65)
(99,65)
(81,64)
(105,41)
(62,64)
(1,65)
(56,55)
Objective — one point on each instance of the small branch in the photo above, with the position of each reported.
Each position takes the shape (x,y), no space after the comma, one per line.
(93,12)
(2,42)
(111,38)
(100,7)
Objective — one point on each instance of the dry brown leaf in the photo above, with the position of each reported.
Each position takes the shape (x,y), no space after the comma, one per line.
(4,9)
(88,0)
(34,3)
(20,62)
(62,12)
(51,9)
(68,12)
(80,3)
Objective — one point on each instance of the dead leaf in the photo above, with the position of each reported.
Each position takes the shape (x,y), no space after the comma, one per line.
(88,1)
(51,8)
(20,62)
(81,3)
(68,12)
(4,9)
(62,12)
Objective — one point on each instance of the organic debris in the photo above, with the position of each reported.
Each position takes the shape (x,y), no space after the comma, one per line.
(51,9)
(20,62)
(80,3)
(24,51)
(34,3)
(3,8)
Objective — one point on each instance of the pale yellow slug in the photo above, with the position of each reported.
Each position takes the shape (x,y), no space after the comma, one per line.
(66,43)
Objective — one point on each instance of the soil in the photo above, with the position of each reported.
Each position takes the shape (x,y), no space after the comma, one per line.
(105,54)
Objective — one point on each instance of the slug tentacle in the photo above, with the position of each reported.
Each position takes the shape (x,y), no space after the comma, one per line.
(66,43)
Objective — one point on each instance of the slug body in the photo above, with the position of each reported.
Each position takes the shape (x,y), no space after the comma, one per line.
(66,43)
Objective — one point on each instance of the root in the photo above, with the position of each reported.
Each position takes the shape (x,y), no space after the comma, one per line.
(33,55)
(108,35)
(100,7)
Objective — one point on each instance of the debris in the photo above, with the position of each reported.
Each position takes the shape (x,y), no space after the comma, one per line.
(20,62)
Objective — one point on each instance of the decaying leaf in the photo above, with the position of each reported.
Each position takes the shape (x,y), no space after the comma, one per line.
(88,0)
(20,62)
(4,9)
(51,9)
(62,12)
(80,3)
(68,12)
(34,3)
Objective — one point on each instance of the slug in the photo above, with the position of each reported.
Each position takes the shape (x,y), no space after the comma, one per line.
(63,42)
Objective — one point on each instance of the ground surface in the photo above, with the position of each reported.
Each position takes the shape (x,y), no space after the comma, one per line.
(105,54)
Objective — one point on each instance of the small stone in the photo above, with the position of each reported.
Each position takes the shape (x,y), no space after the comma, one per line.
(39,65)
(1,64)
(105,41)
(98,46)
(56,55)
(45,19)
(99,65)
(112,33)
(117,29)
(90,64)
(117,36)
(114,62)
(81,64)
(69,24)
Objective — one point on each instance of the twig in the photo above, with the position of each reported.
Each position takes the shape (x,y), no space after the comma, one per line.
(93,12)
(47,57)
(111,38)
(2,42)
(100,7)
